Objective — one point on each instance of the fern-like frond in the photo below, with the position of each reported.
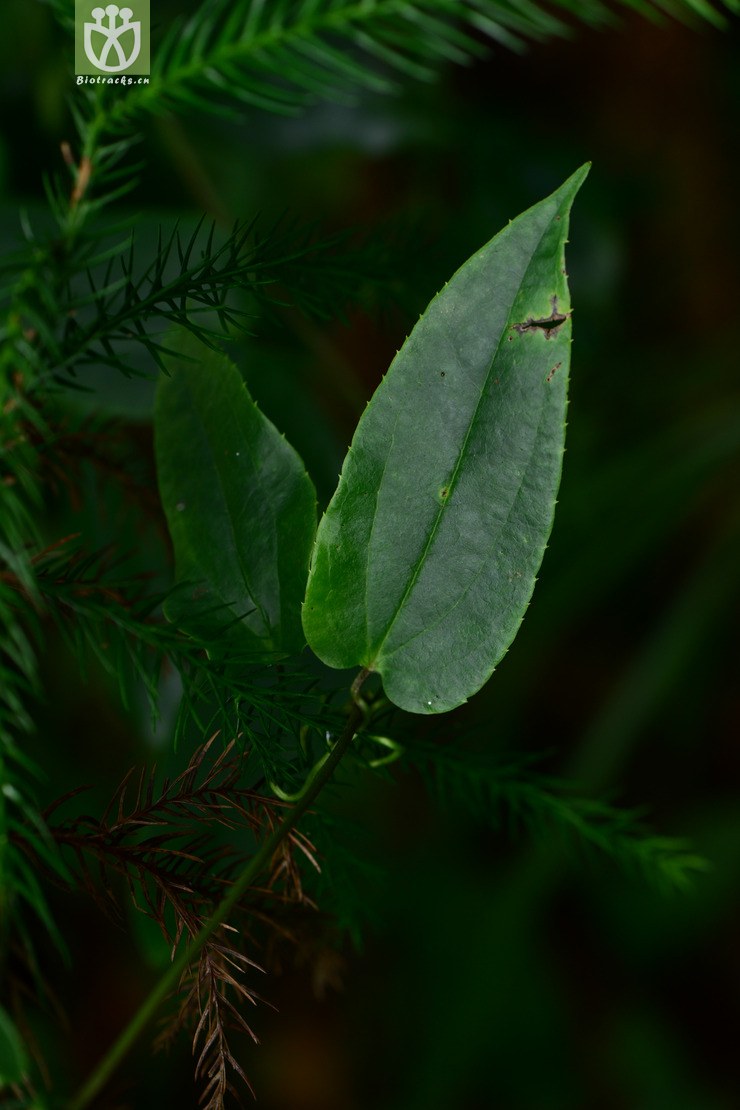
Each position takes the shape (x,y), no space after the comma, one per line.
(515,795)
(156,832)
(277,708)
(161,842)
(229,55)
(211,983)
(195,282)
(94,303)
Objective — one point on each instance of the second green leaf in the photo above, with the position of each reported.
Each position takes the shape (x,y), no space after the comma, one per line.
(240,507)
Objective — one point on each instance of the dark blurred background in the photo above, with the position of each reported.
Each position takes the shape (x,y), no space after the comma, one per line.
(493,974)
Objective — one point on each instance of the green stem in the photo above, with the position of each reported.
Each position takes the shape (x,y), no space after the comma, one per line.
(187,953)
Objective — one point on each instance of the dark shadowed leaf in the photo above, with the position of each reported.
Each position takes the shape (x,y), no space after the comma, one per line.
(240,507)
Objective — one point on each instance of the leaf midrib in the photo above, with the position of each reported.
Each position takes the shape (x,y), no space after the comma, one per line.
(453,480)
(480,570)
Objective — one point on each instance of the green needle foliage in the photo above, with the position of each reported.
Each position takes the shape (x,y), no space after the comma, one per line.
(283,56)
(517,797)
(420,573)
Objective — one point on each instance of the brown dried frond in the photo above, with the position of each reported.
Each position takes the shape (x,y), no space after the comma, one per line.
(159,841)
(204,990)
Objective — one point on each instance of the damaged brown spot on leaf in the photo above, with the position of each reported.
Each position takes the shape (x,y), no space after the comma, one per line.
(549,324)
(551,375)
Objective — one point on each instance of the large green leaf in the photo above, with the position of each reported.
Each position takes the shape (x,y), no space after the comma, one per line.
(426,558)
(240,507)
